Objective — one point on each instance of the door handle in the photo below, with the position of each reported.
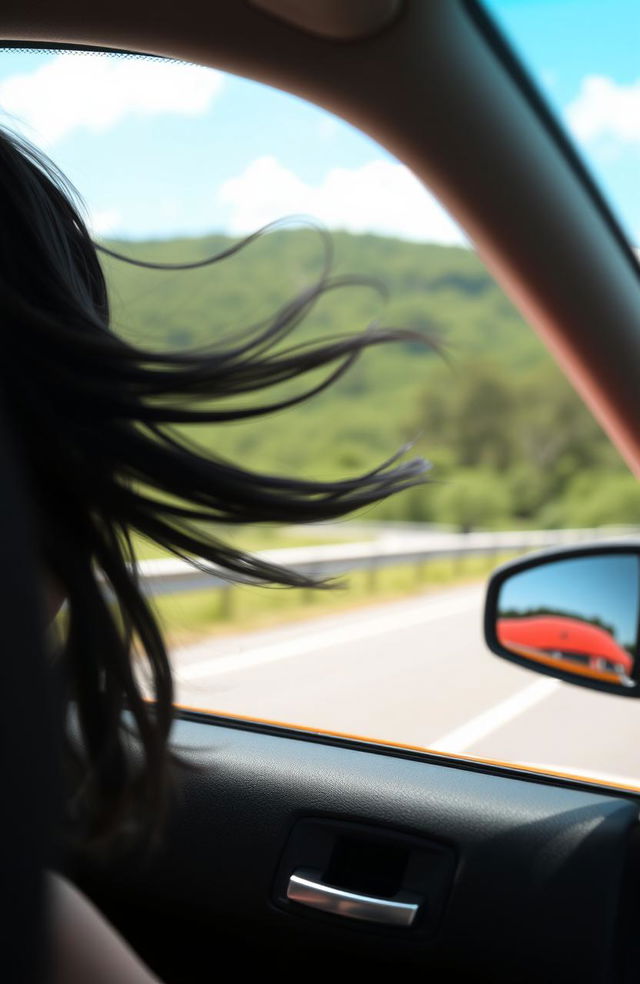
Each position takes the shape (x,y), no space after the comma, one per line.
(306,887)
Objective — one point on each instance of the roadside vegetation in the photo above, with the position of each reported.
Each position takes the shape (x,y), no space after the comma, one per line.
(510,442)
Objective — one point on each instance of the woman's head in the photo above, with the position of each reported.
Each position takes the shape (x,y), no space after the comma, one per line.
(93,418)
(48,257)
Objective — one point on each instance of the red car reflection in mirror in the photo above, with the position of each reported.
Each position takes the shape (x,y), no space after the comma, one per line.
(569,643)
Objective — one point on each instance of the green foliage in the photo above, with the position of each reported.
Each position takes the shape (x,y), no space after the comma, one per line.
(507,435)
(473,498)
(467,409)
(528,428)
(599,498)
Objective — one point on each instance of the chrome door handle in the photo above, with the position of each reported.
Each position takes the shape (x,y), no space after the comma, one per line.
(305,886)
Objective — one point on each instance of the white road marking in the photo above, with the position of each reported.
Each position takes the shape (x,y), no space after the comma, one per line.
(372,625)
(584,772)
(489,721)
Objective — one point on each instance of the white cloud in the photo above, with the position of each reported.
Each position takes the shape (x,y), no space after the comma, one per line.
(603,108)
(103,221)
(94,92)
(378,197)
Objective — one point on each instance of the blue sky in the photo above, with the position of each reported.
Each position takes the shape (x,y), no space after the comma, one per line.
(169,149)
(590,587)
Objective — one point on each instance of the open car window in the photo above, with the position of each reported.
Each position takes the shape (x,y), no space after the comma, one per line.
(175,162)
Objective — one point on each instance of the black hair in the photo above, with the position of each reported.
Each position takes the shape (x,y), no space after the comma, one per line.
(92,415)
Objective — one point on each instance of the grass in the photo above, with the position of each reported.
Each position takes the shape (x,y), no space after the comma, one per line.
(188,618)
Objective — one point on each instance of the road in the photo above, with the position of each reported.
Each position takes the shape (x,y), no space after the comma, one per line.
(415,672)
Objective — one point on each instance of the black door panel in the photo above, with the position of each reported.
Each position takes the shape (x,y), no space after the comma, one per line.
(527,880)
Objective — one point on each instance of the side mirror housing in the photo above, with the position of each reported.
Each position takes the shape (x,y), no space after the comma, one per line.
(572,613)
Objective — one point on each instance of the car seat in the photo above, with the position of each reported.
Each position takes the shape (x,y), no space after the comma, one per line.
(28,757)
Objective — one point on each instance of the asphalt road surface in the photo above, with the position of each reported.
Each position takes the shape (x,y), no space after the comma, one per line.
(415,672)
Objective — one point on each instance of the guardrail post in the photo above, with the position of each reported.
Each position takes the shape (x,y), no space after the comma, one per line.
(372,577)
(226,603)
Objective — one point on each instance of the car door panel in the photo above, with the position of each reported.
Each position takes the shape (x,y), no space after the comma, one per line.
(529,888)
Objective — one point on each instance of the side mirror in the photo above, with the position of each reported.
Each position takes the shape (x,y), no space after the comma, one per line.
(572,614)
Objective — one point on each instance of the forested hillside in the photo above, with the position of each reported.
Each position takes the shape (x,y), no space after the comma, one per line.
(508,439)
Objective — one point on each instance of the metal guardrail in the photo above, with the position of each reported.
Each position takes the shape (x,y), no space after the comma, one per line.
(169,576)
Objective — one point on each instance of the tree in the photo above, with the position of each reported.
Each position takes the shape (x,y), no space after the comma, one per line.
(599,499)
(472,498)
(470,410)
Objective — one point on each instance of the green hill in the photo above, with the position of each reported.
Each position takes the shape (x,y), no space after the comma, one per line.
(488,412)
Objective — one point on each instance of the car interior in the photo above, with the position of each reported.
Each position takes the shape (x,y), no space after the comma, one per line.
(298,851)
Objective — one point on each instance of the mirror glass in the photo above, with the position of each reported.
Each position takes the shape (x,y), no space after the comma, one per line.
(578,615)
